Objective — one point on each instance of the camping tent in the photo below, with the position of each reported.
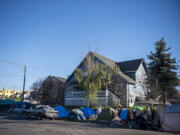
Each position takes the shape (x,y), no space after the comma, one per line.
(138,108)
(88,112)
(123,114)
(77,114)
(106,114)
(169,120)
(7,101)
(173,108)
(62,112)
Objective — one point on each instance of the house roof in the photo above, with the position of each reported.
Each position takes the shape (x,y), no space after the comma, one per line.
(110,63)
(131,65)
(126,78)
(59,78)
(107,61)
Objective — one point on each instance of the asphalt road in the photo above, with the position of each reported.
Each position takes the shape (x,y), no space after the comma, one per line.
(13,124)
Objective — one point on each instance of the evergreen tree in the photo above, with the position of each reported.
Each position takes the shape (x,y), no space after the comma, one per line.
(162,68)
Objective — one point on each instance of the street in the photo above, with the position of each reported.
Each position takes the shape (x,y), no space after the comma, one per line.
(13,124)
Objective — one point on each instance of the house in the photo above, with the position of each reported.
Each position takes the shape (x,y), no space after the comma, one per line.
(7,93)
(51,90)
(125,89)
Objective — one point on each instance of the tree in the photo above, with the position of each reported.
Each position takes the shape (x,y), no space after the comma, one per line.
(37,93)
(162,72)
(46,88)
(96,78)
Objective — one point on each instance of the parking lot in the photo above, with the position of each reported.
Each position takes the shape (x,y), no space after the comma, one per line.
(14,124)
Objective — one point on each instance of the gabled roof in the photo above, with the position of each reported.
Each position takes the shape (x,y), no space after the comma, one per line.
(131,65)
(112,63)
(107,62)
(58,78)
(126,78)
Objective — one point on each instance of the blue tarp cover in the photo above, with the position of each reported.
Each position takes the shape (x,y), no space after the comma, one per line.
(174,108)
(88,112)
(7,101)
(123,114)
(62,112)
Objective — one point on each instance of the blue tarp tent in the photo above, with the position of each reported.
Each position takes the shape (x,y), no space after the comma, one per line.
(88,112)
(62,112)
(7,101)
(123,114)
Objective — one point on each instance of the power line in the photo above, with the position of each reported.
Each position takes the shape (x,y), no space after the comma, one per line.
(15,64)
(12,63)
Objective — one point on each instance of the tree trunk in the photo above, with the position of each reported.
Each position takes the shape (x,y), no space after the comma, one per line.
(164,98)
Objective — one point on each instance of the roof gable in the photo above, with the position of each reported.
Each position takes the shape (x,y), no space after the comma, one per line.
(60,79)
(103,60)
(131,65)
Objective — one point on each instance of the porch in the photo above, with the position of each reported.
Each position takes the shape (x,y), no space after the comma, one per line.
(76,98)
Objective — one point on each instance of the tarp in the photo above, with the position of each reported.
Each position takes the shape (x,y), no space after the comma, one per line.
(173,108)
(77,114)
(123,114)
(88,112)
(78,111)
(169,121)
(138,108)
(106,114)
(62,112)
(7,101)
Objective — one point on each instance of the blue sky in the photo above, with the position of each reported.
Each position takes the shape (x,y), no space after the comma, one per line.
(51,36)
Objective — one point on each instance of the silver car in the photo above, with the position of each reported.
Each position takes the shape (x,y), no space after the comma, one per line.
(42,111)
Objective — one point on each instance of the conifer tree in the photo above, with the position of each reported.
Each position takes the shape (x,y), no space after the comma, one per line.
(162,68)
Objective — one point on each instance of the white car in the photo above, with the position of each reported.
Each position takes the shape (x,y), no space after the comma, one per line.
(42,111)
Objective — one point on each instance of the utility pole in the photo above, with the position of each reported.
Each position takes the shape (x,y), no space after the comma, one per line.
(17,65)
(106,94)
(24,82)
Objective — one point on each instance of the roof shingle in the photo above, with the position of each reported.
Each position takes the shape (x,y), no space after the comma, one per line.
(129,66)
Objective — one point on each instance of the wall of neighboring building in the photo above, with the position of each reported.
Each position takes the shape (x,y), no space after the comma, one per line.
(52,91)
(6,93)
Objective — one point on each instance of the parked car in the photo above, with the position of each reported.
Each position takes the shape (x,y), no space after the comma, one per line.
(19,110)
(19,107)
(42,111)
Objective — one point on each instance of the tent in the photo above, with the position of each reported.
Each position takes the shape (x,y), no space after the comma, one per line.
(169,120)
(123,114)
(77,114)
(173,108)
(7,101)
(88,112)
(106,114)
(138,108)
(62,112)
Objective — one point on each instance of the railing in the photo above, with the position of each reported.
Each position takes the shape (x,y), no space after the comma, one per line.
(76,98)
(78,94)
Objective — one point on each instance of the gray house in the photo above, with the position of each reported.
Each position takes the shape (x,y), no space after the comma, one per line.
(52,91)
(125,89)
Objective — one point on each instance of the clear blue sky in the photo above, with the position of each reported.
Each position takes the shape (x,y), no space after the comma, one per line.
(52,36)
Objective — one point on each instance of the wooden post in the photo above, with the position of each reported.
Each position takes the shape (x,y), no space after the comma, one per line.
(24,82)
